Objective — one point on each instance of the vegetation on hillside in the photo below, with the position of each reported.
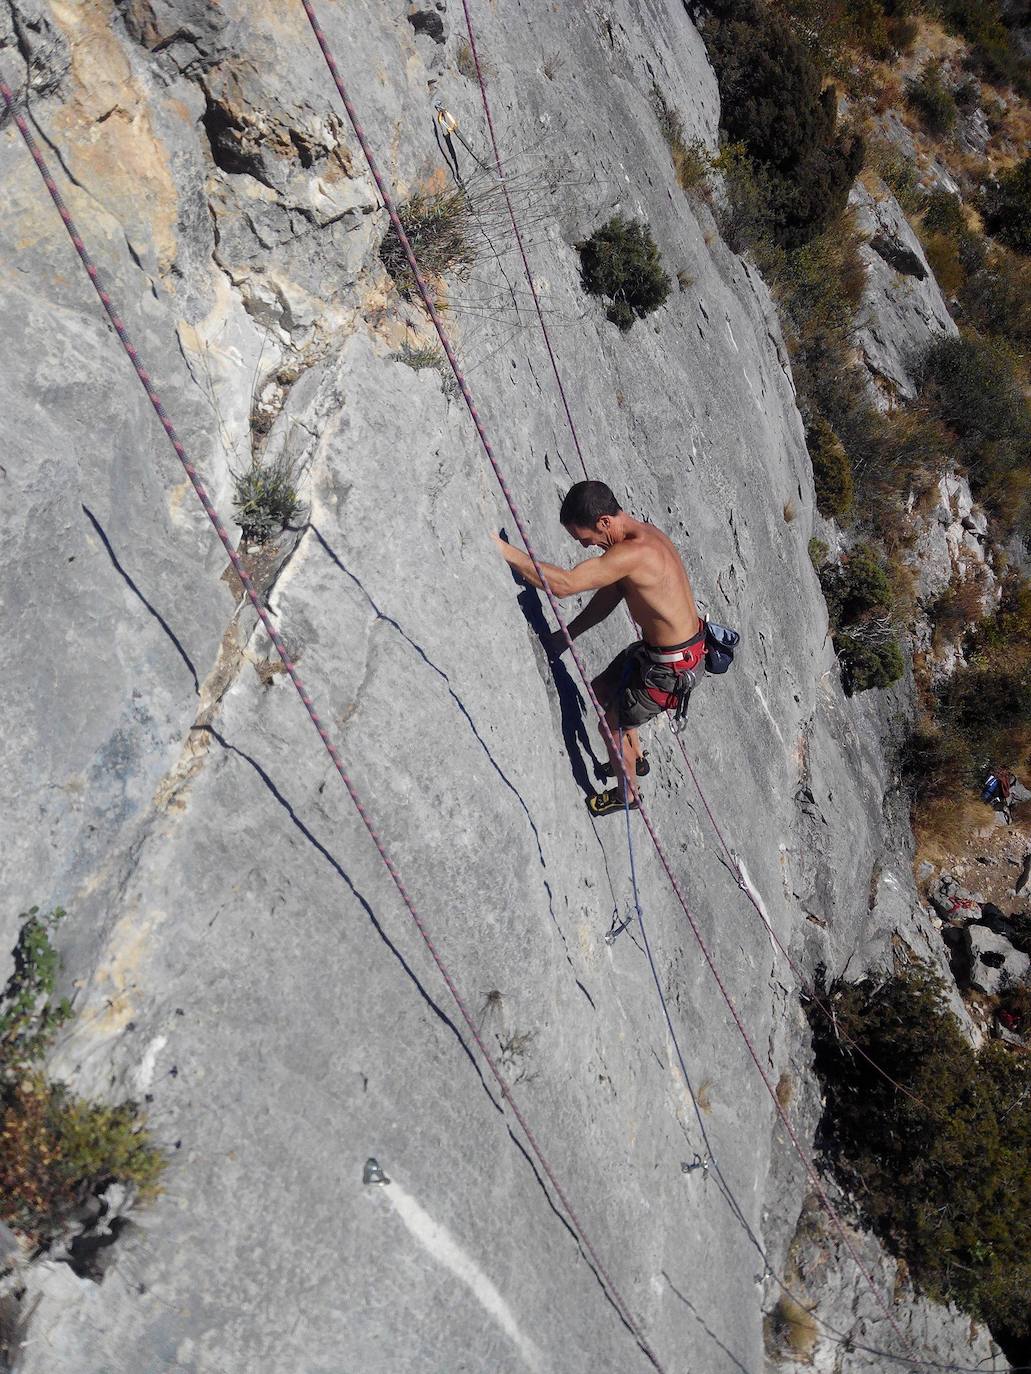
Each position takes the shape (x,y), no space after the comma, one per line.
(941,1169)
(780,128)
(56,1150)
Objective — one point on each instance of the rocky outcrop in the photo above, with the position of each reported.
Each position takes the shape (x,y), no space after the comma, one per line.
(903,309)
(237,956)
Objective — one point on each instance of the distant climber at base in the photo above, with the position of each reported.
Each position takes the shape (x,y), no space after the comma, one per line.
(641,566)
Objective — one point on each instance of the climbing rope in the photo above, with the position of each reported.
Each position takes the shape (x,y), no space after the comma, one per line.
(331,749)
(519,238)
(291,669)
(807,986)
(427,296)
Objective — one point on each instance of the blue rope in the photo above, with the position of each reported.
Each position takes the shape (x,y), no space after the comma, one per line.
(712,1162)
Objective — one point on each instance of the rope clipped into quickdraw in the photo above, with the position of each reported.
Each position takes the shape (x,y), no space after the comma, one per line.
(428,300)
(281,649)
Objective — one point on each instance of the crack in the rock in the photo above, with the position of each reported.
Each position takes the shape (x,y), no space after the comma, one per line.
(463,709)
(151,610)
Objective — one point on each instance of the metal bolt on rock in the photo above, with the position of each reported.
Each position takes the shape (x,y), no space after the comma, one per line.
(373,1173)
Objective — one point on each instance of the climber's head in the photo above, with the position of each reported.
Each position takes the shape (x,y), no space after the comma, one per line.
(591,514)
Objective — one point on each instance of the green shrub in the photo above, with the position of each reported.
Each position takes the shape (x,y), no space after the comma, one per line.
(832,472)
(932,99)
(997,300)
(818,551)
(971,384)
(867,665)
(1007,207)
(943,1173)
(774,104)
(860,604)
(266,498)
(56,1150)
(621,261)
(942,213)
(857,587)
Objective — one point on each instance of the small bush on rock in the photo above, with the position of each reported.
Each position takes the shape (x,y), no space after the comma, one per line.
(818,551)
(868,665)
(933,100)
(56,1150)
(860,605)
(832,472)
(266,498)
(621,261)
(857,587)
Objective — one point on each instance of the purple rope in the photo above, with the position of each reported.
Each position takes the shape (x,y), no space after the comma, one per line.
(519,237)
(277,640)
(395,220)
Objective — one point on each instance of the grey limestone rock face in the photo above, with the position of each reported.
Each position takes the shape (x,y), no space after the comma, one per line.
(237,955)
(904,307)
(994,964)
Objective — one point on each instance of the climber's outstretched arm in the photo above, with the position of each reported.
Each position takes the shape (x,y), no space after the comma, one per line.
(613,565)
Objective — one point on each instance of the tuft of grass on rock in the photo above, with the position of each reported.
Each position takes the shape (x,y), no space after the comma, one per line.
(441,227)
(690,156)
(421,356)
(265,498)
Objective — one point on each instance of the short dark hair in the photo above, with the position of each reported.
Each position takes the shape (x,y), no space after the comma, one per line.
(586,503)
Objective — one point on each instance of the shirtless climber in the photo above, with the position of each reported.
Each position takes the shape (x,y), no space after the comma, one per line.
(640,565)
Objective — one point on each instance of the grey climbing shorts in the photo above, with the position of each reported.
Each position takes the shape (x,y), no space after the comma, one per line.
(625,683)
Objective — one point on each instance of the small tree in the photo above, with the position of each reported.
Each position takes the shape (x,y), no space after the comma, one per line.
(832,472)
(773,103)
(932,99)
(1007,206)
(621,261)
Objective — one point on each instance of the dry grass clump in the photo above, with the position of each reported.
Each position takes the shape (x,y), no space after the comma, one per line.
(442,230)
(690,157)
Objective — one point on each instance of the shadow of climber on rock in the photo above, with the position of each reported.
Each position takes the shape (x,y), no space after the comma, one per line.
(570,699)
